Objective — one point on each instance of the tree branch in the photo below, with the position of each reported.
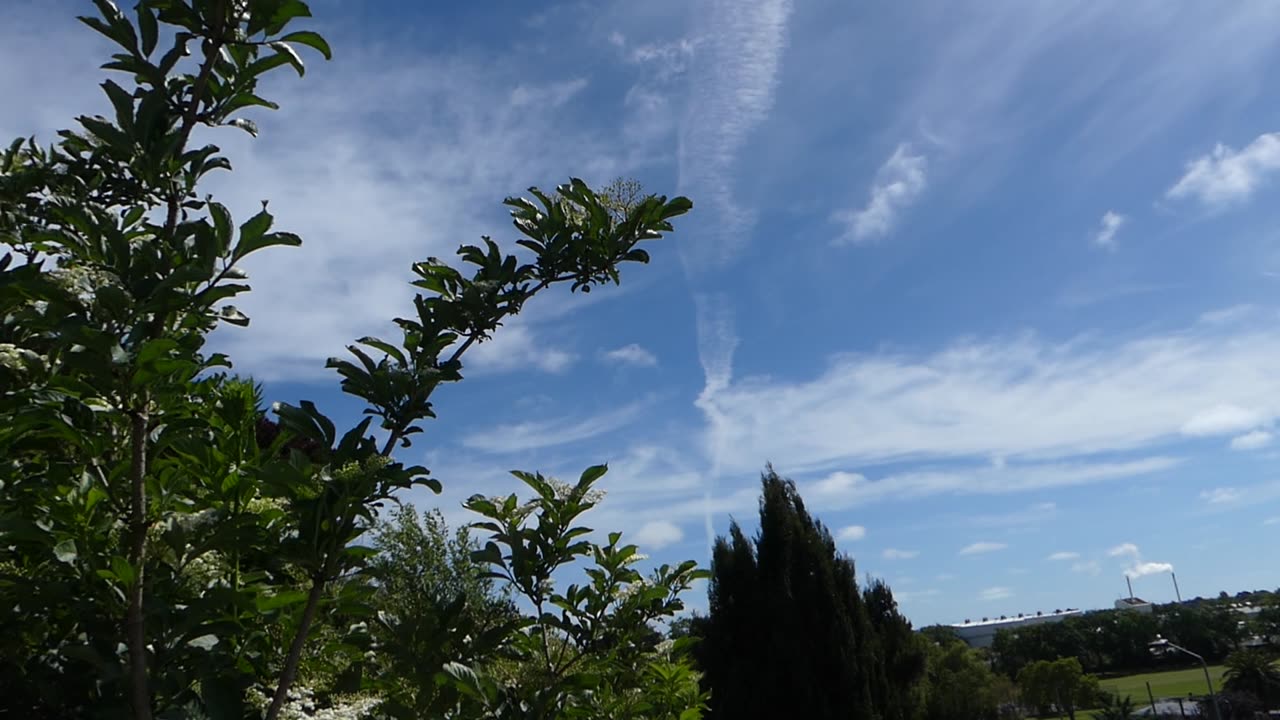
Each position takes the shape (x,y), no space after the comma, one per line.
(135,621)
(290,672)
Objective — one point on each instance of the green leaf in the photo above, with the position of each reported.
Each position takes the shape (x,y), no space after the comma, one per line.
(592,474)
(123,571)
(122,101)
(65,551)
(247,99)
(244,124)
(150,31)
(290,55)
(310,39)
(252,230)
(230,314)
(221,223)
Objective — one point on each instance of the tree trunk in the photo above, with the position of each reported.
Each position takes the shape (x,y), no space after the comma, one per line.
(135,621)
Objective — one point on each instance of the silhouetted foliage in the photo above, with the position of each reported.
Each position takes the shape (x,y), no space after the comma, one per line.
(789,633)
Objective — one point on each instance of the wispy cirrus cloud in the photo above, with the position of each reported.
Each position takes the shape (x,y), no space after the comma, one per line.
(1063,556)
(982,547)
(1221,495)
(1021,398)
(733,79)
(897,185)
(535,434)
(1226,176)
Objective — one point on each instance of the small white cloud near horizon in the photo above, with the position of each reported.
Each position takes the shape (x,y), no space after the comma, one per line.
(633,354)
(1227,176)
(982,547)
(996,593)
(898,184)
(1059,556)
(657,534)
(896,554)
(1137,567)
(851,533)
(1110,225)
(1252,440)
(1221,495)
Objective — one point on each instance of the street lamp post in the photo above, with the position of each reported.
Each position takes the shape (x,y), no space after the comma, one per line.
(1161,645)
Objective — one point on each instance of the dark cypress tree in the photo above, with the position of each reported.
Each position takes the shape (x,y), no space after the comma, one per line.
(788,633)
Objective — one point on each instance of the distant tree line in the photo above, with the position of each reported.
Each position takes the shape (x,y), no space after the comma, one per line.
(1116,641)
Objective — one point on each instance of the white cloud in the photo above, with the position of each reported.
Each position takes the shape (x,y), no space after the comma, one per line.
(996,593)
(838,484)
(1148,568)
(657,534)
(1272,521)
(632,354)
(732,81)
(1123,550)
(418,150)
(1106,235)
(1226,176)
(982,547)
(1020,399)
(851,533)
(1221,495)
(896,554)
(533,434)
(845,489)
(1251,440)
(1137,567)
(515,347)
(671,58)
(898,183)
(1220,420)
(1058,556)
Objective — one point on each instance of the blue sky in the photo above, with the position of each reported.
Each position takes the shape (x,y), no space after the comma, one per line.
(995,283)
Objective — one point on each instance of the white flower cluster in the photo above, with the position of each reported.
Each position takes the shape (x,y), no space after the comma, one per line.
(14,357)
(206,569)
(258,505)
(81,280)
(302,705)
(564,491)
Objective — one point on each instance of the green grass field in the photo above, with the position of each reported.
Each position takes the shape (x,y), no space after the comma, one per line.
(1171,684)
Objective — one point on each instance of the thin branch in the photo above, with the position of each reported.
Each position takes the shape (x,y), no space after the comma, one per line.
(290,672)
(135,622)
(135,618)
